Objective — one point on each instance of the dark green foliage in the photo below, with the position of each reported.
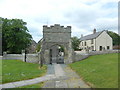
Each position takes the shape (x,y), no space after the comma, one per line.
(115,37)
(75,43)
(15,35)
(61,48)
(39,45)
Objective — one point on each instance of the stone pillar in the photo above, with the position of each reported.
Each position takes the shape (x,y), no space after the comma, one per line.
(4,55)
(70,55)
(23,54)
(39,57)
(47,57)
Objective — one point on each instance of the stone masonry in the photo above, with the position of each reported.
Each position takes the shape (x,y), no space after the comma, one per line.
(57,36)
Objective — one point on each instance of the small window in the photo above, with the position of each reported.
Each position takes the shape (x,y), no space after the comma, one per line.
(92,48)
(108,47)
(85,43)
(92,41)
(82,43)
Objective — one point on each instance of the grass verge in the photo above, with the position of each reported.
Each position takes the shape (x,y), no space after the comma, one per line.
(16,70)
(99,71)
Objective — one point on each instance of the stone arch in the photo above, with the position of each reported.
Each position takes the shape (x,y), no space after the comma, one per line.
(56,36)
(57,53)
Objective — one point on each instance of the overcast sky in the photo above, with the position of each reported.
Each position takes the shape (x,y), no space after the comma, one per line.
(82,15)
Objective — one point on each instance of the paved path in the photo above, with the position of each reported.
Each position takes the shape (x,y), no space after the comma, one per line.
(65,78)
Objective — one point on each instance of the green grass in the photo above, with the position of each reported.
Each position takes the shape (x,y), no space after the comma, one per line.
(0,71)
(38,85)
(16,70)
(99,71)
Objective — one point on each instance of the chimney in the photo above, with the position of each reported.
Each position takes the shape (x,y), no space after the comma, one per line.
(81,35)
(94,31)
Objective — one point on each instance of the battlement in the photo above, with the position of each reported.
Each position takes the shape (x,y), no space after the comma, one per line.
(56,28)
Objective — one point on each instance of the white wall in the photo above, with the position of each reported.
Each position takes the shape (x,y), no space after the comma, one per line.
(88,44)
(103,40)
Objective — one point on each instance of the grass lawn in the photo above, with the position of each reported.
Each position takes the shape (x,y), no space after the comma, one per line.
(0,71)
(99,71)
(16,70)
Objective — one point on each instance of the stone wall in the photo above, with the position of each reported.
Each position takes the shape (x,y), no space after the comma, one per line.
(31,58)
(12,56)
(80,56)
(0,57)
(102,52)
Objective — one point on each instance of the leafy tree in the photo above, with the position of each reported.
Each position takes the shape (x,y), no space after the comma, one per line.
(39,45)
(115,37)
(15,35)
(75,43)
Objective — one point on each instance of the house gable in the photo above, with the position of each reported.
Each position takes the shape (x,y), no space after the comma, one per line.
(103,40)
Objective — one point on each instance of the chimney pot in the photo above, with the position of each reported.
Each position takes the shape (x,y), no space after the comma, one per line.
(94,31)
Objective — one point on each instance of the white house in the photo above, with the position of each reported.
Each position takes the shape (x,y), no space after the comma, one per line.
(98,41)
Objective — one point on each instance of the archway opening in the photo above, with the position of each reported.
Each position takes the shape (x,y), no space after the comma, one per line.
(57,54)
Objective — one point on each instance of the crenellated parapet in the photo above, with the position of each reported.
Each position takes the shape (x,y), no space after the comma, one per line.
(56,28)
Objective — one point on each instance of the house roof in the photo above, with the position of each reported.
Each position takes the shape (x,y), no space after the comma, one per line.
(91,36)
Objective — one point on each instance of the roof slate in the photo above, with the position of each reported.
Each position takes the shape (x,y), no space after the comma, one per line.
(91,36)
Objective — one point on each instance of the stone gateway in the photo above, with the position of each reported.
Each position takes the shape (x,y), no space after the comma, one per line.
(56,44)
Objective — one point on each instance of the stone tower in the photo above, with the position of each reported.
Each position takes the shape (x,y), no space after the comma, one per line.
(54,36)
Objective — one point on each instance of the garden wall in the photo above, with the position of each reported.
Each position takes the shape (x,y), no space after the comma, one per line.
(80,56)
(0,57)
(102,52)
(31,58)
(12,56)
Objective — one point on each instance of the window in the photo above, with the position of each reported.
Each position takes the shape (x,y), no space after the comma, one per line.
(108,47)
(92,48)
(82,43)
(100,48)
(92,41)
(85,43)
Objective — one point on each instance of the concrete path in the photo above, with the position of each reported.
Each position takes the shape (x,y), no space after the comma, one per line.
(65,78)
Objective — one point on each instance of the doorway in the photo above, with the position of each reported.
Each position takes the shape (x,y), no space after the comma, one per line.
(57,54)
(100,48)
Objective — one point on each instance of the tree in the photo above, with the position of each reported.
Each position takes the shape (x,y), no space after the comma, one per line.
(115,37)
(15,35)
(39,45)
(75,43)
